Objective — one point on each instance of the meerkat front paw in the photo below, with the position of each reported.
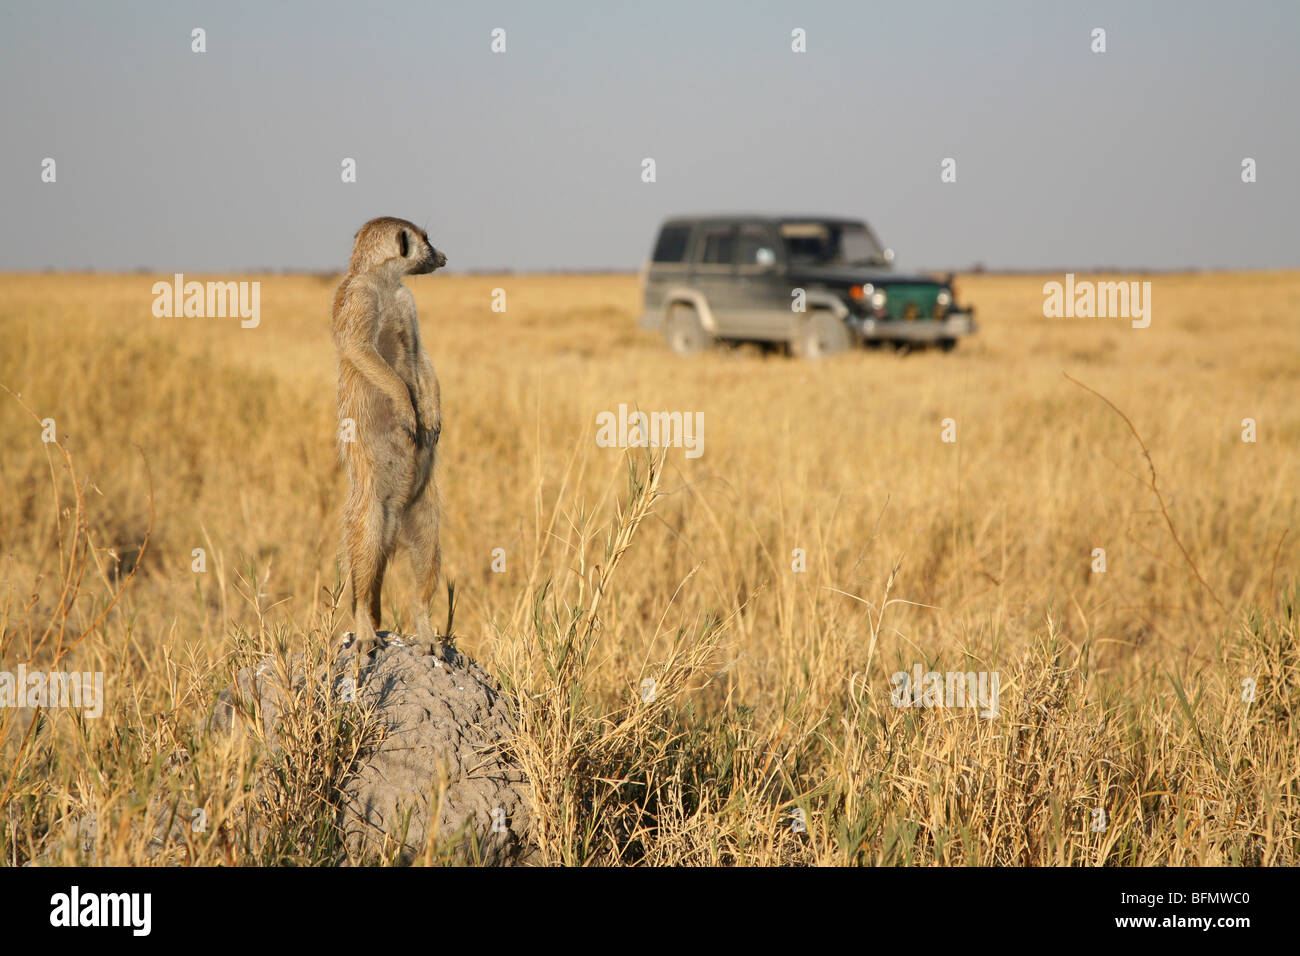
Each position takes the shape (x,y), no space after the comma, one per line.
(408,420)
(430,424)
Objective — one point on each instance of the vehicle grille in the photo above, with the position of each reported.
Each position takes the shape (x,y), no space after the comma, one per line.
(908,303)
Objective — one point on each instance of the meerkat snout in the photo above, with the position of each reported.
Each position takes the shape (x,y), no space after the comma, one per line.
(426,258)
(439,259)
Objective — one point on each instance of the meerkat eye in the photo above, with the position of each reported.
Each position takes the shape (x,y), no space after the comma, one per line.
(403,243)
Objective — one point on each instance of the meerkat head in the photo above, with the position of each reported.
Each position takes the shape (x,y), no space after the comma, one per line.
(396,245)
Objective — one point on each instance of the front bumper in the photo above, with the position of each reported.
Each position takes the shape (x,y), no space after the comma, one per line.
(953,326)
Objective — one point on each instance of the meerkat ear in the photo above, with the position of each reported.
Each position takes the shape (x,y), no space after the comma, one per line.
(403,243)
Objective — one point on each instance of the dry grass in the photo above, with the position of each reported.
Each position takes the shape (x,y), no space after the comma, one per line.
(1120,691)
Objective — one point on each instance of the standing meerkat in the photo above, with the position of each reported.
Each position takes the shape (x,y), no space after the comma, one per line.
(389,392)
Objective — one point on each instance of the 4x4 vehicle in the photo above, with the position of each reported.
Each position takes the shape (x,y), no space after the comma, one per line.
(816,283)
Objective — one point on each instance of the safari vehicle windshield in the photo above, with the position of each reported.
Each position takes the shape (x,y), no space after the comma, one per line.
(832,243)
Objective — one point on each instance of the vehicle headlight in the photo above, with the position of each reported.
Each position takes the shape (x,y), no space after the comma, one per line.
(859,292)
(878,299)
(944,298)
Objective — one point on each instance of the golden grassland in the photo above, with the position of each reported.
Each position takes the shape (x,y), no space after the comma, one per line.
(1120,690)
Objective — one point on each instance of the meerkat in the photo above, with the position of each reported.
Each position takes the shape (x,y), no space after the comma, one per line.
(389,393)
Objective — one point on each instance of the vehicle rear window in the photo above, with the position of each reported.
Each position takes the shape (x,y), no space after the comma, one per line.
(718,246)
(671,246)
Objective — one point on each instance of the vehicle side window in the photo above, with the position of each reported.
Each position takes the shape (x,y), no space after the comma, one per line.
(755,247)
(671,246)
(718,247)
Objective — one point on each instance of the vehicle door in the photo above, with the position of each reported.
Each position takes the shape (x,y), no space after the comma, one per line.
(713,274)
(761,284)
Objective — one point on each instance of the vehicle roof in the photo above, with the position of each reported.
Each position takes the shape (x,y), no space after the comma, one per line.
(764,217)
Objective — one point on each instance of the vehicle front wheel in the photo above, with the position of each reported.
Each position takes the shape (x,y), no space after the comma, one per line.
(819,335)
(684,332)
(947,345)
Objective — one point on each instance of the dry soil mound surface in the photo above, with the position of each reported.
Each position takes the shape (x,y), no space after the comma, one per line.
(436,743)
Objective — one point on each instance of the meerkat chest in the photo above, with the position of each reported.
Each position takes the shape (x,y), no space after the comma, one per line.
(397,334)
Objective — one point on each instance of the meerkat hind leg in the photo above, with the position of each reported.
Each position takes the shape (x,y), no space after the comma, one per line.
(368,559)
(420,535)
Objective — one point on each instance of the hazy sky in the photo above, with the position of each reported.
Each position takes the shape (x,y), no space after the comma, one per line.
(531,159)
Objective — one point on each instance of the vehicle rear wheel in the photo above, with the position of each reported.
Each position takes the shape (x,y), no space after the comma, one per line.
(819,335)
(684,332)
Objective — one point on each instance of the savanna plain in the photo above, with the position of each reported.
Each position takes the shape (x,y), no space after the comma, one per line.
(185,523)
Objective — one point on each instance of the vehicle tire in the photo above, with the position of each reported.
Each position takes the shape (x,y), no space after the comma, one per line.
(819,335)
(684,332)
(946,345)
